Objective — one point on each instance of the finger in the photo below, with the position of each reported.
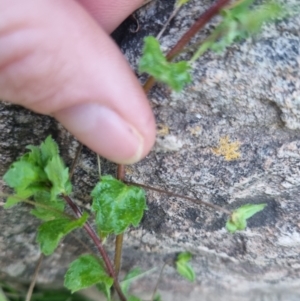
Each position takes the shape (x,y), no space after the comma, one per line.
(68,67)
(110,13)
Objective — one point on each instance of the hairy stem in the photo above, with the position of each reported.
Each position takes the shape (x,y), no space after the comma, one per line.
(88,228)
(119,238)
(195,201)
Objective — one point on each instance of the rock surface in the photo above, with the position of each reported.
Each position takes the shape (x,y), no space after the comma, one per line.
(247,98)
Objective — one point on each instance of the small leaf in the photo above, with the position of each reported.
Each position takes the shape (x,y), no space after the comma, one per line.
(183,267)
(51,232)
(129,278)
(238,219)
(231,227)
(176,75)
(134,298)
(21,175)
(184,257)
(58,175)
(157,297)
(34,156)
(180,3)
(133,275)
(45,208)
(12,201)
(117,205)
(84,272)
(241,21)
(49,150)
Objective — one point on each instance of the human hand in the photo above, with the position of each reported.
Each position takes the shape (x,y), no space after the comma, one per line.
(56,58)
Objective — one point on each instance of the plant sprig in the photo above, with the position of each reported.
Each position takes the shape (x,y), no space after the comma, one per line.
(41,175)
(239,21)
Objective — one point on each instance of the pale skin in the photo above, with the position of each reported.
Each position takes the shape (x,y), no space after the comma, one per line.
(56,58)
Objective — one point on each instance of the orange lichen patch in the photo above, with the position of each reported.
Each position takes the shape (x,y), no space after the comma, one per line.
(129,170)
(195,131)
(229,150)
(162,130)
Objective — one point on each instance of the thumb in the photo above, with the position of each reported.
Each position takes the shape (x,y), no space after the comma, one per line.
(55,60)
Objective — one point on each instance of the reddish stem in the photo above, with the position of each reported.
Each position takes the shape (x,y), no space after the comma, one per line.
(121,172)
(199,24)
(119,238)
(88,228)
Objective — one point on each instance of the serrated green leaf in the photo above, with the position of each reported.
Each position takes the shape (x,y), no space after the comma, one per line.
(37,171)
(21,175)
(45,208)
(49,150)
(104,289)
(84,272)
(153,62)
(241,21)
(238,218)
(58,175)
(184,268)
(117,205)
(34,156)
(51,232)
(12,201)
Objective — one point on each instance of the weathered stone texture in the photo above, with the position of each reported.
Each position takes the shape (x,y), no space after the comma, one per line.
(250,94)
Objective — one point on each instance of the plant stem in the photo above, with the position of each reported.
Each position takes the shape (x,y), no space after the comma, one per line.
(185,39)
(199,24)
(173,14)
(99,166)
(34,278)
(118,253)
(36,204)
(195,201)
(158,281)
(98,243)
(121,172)
(204,46)
(148,84)
(75,161)
(119,238)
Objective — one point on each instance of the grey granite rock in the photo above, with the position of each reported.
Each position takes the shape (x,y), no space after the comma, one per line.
(249,94)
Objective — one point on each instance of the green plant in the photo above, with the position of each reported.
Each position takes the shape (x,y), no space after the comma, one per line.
(41,179)
(41,175)
(183,266)
(239,21)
